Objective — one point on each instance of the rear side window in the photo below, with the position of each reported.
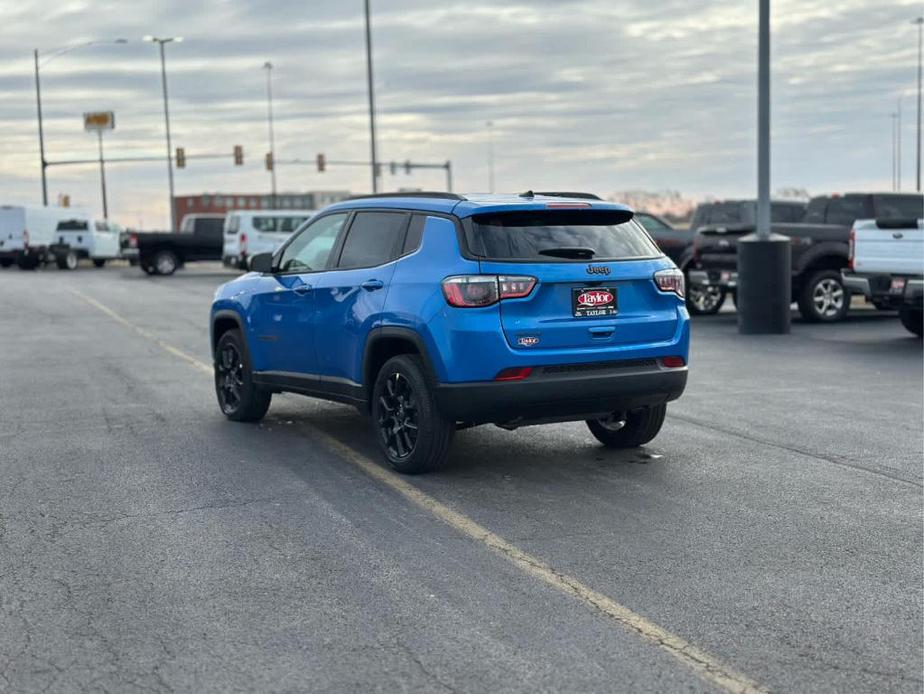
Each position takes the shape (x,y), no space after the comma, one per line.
(233,225)
(560,236)
(899,206)
(815,212)
(73,225)
(414,234)
(846,210)
(374,238)
(652,224)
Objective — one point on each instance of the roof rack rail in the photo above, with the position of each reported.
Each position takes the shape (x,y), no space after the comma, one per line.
(560,194)
(416,194)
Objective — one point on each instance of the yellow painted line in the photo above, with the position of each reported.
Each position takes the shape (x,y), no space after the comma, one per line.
(703,664)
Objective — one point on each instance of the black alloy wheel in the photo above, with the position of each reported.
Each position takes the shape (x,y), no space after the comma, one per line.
(238,397)
(398,416)
(229,372)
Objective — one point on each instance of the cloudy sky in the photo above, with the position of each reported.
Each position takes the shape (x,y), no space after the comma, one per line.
(600,95)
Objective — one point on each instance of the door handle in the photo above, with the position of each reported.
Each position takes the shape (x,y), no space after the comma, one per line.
(898,235)
(601,332)
(372,285)
(302,289)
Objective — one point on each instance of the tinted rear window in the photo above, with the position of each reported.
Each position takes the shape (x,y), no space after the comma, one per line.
(899,207)
(523,235)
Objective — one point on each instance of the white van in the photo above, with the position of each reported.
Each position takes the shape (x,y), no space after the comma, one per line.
(27,234)
(81,236)
(259,231)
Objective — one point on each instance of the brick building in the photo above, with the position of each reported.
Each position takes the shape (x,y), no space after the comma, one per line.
(222,203)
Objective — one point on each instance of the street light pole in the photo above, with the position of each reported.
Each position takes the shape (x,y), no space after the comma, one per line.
(490,126)
(369,79)
(268,66)
(898,145)
(163,76)
(920,22)
(102,174)
(894,117)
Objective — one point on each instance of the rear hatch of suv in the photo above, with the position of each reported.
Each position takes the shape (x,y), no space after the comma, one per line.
(594,272)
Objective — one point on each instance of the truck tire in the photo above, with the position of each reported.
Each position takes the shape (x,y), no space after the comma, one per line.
(239,398)
(704,301)
(99,262)
(413,435)
(165,262)
(27,262)
(66,260)
(912,319)
(146,268)
(6,262)
(823,298)
(628,430)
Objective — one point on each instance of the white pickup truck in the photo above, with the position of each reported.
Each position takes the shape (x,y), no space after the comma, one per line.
(886,264)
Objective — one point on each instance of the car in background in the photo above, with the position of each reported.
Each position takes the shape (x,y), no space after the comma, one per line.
(27,234)
(163,253)
(886,265)
(81,236)
(734,213)
(677,244)
(248,233)
(819,244)
(200,221)
(436,312)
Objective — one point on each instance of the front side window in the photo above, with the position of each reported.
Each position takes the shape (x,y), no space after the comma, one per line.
(560,236)
(373,239)
(845,211)
(310,250)
(73,225)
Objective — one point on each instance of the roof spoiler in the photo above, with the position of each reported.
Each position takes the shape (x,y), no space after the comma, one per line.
(562,194)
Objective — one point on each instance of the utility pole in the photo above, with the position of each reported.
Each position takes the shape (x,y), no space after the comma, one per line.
(163,76)
(268,66)
(102,174)
(375,164)
(490,126)
(920,22)
(764,290)
(898,146)
(38,101)
(894,118)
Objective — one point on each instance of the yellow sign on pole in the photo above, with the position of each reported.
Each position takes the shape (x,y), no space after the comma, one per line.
(99,120)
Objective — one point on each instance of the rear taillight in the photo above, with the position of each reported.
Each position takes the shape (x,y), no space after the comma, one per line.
(852,247)
(514,373)
(243,242)
(673,362)
(133,240)
(670,281)
(25,238)
(472,291)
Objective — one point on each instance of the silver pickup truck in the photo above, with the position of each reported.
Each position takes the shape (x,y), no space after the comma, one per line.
(886,264)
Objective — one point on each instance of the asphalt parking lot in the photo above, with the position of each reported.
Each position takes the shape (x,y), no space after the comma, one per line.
(146,544)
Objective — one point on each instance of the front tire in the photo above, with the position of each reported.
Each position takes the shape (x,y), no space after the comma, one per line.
(6,262)
(630,429)
(99,262)
(824,299)
(912,319)
(27,262)
(704,300)
(166,262)
(239,398)
(413,435)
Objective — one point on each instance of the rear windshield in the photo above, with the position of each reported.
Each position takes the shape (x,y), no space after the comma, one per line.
(899,207)
(73,225)
(561,234)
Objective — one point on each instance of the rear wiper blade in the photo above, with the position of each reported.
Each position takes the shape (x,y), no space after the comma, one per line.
(581,252)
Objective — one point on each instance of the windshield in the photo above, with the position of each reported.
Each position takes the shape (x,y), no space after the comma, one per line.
(560,236)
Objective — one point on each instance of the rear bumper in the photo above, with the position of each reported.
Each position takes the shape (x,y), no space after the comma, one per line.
(552,394)
(879,289)
(713,278)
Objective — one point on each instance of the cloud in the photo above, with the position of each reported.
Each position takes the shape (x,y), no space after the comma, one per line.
(593,94)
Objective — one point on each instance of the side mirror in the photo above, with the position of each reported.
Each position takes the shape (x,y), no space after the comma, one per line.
(261,262)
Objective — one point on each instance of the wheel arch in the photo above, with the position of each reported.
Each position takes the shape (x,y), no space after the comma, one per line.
(387,342)
(223,321)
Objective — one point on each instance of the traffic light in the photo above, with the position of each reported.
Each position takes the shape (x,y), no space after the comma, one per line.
(392,167)
(269,161)
(407,166)
(180,158)
(322,163)
(238,155)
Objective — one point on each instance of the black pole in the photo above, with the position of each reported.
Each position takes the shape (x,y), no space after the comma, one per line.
(269,111)
(38,102)
(102,174)
(448,176)
(920,22)
(375,165)
(163,76)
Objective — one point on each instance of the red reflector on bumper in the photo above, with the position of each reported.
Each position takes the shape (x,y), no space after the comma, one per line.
(514,373)
(673,362)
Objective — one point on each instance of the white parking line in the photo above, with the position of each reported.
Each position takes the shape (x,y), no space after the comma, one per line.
(703,664)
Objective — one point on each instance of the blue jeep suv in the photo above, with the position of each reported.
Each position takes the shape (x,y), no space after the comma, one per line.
(433,312)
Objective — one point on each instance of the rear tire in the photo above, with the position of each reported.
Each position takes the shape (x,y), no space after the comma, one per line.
(824,299)
(912,319)
(239,398)
(639,427)
(6,262)
(67,260)
(704,300)
(413,435)
(27,262)
(99,262)
(166,262)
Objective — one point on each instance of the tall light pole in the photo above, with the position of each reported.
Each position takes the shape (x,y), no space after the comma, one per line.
(375,163)
(38,101)
(163,76)
(920,22)
(268,66)
(898,145)
(894,118)
(490,126)
(764,290)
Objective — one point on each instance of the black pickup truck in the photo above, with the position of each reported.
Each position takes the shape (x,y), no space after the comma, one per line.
(162,253)
(819,243)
